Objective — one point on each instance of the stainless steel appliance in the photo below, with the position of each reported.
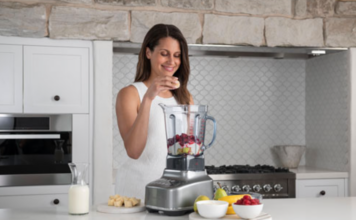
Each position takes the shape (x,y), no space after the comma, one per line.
(267,180)
(184,178)
(35,149)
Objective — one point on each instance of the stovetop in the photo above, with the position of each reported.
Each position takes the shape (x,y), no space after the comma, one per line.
(269,181)
(233,169)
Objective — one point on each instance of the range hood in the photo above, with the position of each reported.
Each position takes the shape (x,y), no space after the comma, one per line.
(240,51)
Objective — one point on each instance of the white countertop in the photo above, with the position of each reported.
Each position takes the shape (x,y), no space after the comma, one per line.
(303,172)
(280,209)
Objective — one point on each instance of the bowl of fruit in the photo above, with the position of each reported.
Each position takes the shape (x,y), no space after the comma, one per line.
(248,207)
(254,195)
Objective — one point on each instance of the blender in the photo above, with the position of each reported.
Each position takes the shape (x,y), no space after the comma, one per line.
(184,178)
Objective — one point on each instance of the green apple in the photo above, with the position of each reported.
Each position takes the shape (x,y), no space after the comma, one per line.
(199,198)
(219,194)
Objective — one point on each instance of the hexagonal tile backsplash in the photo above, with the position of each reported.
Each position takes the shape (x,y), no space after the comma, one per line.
(328,111)
(257,103)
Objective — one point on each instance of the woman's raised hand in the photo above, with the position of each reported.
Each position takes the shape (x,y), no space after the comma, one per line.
(161,84)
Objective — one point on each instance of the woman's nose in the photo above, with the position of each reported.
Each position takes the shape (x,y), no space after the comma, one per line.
(171,59)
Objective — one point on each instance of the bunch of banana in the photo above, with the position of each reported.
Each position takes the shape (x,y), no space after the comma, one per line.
(232,199)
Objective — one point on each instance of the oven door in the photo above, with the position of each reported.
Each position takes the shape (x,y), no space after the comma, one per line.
(35,158)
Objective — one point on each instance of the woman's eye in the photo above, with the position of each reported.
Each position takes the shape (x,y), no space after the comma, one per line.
(177,55)
(164,54)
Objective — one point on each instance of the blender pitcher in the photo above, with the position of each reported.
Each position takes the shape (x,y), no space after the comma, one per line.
(79,190)
(185,129)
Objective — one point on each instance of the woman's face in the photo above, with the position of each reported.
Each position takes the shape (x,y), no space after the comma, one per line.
(165,57)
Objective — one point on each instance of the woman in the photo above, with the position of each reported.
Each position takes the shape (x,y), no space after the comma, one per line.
(161,77)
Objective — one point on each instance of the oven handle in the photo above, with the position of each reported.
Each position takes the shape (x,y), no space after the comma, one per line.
(30,136)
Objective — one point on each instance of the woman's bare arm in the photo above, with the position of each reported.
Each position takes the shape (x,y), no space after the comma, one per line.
(132,119)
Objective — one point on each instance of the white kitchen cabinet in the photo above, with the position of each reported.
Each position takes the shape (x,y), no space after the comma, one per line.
(319,188)
(45,76)
(42,69)
(56,79)
(11,78)
(32,201)
(34,196)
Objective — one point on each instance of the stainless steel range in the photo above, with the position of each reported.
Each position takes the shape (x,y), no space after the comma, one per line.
(267,180)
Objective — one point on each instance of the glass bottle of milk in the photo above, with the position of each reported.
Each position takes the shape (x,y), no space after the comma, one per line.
(79,191)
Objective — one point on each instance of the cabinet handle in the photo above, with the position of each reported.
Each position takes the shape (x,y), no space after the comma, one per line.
(30,136)
(56,201)
(322,193)
(57,98)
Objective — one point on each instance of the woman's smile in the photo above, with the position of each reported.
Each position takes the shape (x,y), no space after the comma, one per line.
(168,68)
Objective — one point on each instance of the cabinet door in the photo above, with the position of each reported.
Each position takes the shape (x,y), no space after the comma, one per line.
(318,188)
(56,80)
(10,79)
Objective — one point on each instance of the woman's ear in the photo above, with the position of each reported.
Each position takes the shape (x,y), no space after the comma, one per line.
(148,53)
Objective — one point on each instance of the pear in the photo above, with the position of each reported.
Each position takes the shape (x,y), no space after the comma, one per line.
(199,198)
(219,193)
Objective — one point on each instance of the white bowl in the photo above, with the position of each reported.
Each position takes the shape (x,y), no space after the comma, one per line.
(212,208)
(247,211)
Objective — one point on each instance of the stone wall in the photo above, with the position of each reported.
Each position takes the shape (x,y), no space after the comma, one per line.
(298,23)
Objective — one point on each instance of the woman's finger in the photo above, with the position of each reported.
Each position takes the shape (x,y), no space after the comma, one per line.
(170,82)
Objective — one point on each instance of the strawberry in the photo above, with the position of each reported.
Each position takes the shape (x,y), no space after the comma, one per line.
(257,201)
(246,197)
(183,135)
(170,142)
(238,202)
(181,143)
(177,137)
(247,200)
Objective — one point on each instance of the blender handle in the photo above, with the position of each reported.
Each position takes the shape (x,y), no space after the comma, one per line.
(173,117)
(214,134)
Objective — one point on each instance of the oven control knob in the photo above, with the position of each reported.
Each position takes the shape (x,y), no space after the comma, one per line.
(257,188)
(267,188)
(235,188)
(246,188)
(278,187)
(226,188)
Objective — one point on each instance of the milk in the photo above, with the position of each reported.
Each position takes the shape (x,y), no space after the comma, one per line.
(78,199)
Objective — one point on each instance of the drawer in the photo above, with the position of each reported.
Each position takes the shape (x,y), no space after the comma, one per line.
(318,188)
(31,201)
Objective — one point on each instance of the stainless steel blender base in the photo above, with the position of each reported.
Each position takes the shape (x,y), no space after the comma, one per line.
(176,191)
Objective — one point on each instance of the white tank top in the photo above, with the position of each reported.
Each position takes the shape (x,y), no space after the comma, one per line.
(133,175)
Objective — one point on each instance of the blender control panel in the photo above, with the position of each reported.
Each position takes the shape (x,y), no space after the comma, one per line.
(167,183)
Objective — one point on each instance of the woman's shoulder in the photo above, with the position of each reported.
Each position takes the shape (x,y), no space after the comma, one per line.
(128,92)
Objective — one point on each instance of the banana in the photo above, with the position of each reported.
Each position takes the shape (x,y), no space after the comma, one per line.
(231,199)
(230,210)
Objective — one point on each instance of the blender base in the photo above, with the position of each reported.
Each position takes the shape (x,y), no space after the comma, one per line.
(169,213)
(175,192)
